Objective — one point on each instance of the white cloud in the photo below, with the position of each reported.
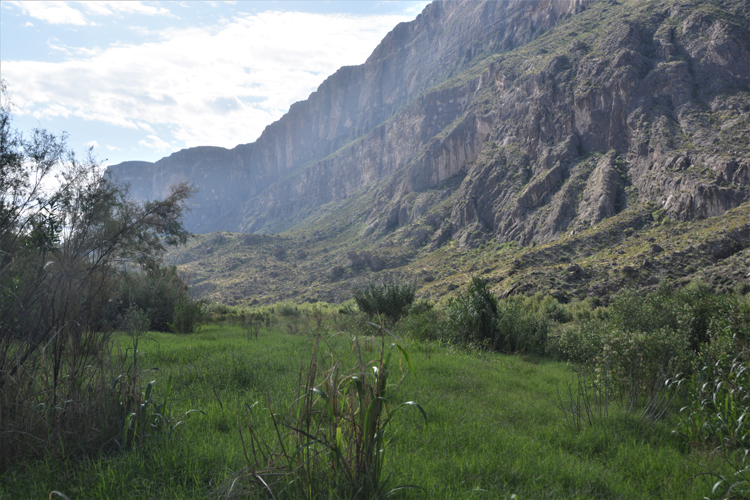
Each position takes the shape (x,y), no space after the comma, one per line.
(92,144)
(28,23)
(218,85)
(146,127)
(112,148)
(106,8)
(53,12)
(58,12)
(51,111)
(155,142)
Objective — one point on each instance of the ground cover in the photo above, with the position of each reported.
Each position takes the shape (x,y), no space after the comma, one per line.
(495,428)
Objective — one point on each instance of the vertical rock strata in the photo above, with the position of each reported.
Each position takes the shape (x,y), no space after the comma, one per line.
(540,117)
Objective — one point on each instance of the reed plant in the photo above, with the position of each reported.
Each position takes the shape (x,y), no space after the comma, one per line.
(332,441)
(101,402)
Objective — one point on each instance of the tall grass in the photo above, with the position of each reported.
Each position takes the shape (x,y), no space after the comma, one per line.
(478,318)
(100,403)
(332,440)
(390,299)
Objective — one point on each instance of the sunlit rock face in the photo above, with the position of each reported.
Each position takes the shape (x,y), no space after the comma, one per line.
(537,117)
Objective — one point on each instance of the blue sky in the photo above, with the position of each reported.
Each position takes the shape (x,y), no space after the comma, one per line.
(140,80)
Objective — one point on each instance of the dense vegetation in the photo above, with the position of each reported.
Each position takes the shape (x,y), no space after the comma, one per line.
(596,397)
(71,242)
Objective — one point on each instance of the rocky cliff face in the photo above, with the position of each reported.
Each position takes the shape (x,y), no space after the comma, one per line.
(531,118)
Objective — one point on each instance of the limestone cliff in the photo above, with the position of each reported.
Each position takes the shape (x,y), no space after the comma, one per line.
(536,117)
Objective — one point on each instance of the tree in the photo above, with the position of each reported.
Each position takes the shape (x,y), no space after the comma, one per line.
(67,232)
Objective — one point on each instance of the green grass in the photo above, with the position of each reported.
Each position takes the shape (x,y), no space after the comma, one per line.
(494,428)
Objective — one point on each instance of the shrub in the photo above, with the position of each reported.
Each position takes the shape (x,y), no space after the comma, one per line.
(390,298)
(472,318)
(63,244)
(520,328)
(162,294)
(646,340)
(509,325)
(689,311)
(422,324)
(188,314)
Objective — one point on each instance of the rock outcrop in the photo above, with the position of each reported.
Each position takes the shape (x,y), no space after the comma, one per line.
(518,120)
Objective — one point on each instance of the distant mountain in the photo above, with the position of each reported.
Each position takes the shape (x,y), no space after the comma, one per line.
(239,187)
(497,121)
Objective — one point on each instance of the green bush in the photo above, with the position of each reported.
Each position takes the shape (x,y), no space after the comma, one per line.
(188,314)
(647,339)
(520,328)
(162,294)
(510,325)
(421,324)
(472,318)
(391,299)
(689,311)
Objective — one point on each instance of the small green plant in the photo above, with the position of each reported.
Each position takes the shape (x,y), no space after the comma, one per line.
(333,442)
(390,298)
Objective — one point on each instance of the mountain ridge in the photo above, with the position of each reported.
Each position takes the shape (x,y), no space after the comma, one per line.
(343,109)
(570,115)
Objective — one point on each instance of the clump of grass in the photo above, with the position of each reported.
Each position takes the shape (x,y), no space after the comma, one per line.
(391,299)
(478,318)
(332,441)
(100,404)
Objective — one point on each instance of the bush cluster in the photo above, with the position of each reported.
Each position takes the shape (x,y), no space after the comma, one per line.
(64,390)
(162,294)
(478,318)
(390,299)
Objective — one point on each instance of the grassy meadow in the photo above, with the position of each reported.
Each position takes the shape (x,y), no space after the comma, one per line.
(495,427)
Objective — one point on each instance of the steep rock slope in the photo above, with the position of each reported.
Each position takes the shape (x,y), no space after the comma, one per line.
(643,101)
(354,101)
(520,121)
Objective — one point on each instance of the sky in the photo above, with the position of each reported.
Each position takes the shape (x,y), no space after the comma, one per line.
(141,80)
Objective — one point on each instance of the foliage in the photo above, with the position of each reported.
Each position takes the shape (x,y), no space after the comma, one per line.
(649,342)
(478,318)
(423,324)
(188,315)
(337,423)
(162,294)
(61,247)
(521,329)
(494,428)
(472,317)
(689,311)
(390,298)
(719,406)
